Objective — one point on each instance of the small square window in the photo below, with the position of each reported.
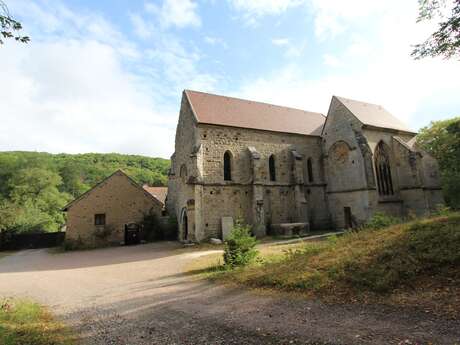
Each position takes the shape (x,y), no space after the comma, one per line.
(99,219)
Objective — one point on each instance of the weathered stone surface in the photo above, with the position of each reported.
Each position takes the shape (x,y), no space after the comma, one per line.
(215,241)
(342,175)
(120,200)
(227,227)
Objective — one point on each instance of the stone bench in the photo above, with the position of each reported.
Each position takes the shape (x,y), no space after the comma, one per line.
(289,229)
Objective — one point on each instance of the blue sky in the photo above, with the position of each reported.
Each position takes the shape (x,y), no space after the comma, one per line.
(107,75)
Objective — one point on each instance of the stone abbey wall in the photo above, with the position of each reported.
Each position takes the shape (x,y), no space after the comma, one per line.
(200,148)
(343,182)
(351,177)
(235,198)
(183,168)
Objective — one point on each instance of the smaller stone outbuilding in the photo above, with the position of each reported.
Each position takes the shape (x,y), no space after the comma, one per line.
(158,193)
(104,214)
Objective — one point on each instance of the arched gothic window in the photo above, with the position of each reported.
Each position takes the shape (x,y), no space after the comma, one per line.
(383,170)
(310,170)
(271,168)
(227,166)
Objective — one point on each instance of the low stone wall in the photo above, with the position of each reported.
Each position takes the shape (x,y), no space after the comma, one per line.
(30,240)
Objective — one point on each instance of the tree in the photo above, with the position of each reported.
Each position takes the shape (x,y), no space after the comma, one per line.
(37,200)
(442,140)
(34,186)
(9,27)
(446,40)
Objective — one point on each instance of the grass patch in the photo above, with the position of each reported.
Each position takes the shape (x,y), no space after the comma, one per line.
(24,322)
(392,262)
(273,238)
(212,264)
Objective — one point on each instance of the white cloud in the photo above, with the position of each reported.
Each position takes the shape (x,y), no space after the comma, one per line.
(179,13)
(291,49)
(254,9)
(264,7)
(74,96)
(373,66)
(216,41)
(281,42)
(331,60)
(81,86)
(141,27)
(179,65)
(333,17)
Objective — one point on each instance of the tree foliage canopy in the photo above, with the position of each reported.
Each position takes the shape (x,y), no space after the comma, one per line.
(35,186)
(9,27)
(442,140)
(445,41)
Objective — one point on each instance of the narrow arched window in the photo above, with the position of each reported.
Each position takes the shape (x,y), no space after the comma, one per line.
(271,168)
(383,170)
(310,170)
(227,166)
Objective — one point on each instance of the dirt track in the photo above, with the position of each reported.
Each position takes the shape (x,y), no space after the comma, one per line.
(138,295)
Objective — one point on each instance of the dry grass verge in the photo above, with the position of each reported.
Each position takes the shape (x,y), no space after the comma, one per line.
(415,263)
(23,322)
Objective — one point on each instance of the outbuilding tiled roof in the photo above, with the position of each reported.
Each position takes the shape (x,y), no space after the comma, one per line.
(158,193)
(235,112)
(373,115)
(102,183)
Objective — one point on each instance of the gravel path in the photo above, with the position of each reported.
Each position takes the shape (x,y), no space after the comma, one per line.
(138,296)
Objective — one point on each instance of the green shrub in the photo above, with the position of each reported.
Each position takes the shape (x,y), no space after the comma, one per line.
(240,246)
(442,210)
(157,229)
(151,226)
(171,229)
(381,220)
(332,240)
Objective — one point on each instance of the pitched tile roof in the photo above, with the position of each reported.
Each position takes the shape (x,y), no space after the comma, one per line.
(373,115)
(158,193)
(101,184)
(235,112)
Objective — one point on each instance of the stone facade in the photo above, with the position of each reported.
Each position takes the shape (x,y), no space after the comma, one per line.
(317,180)
(119,199)
(349,149)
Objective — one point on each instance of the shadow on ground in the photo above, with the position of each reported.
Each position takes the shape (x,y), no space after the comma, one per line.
(175,310)
(44,260)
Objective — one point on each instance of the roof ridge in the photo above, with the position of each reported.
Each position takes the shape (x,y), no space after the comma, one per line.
(358,101)
(391,121)
(100,183)
(253,101)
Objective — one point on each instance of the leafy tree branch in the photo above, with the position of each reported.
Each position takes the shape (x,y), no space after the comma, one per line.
(445,41)
(9,27)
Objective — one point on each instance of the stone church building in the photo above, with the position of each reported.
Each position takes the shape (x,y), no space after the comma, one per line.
(273,166)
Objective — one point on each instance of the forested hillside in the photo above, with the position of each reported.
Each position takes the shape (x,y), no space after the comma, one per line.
(34,186)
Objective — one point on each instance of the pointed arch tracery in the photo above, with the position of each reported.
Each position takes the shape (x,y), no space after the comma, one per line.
(383,170)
